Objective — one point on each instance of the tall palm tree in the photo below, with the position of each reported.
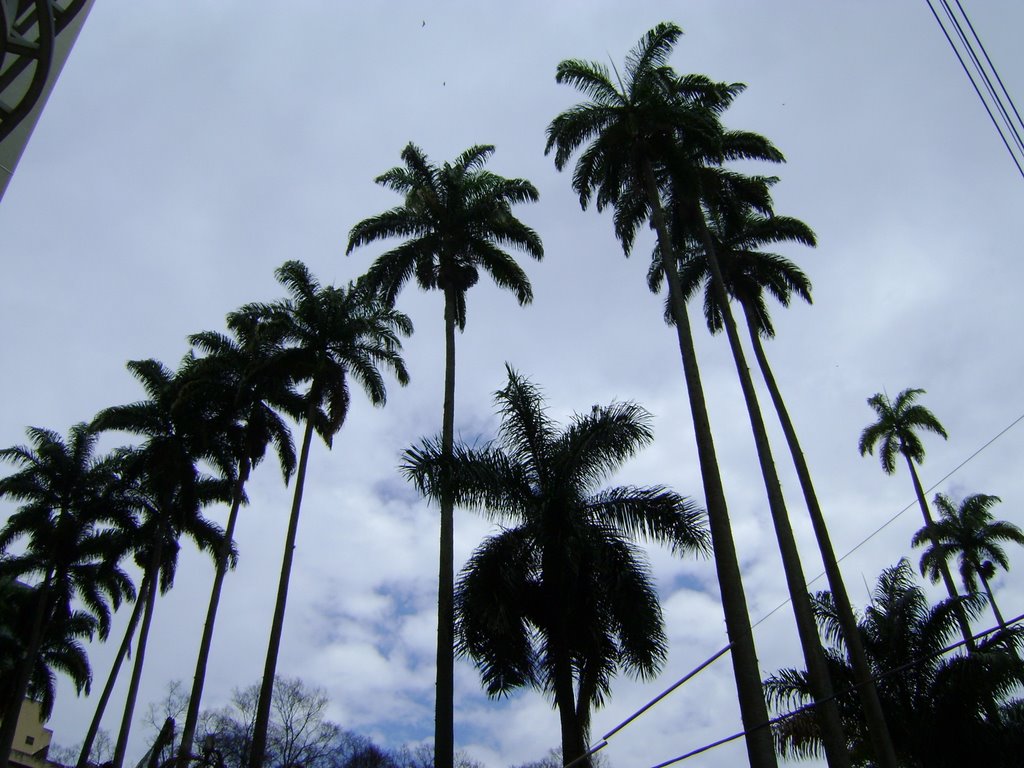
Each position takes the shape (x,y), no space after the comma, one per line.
(169,489)
(895,433)
(456,221)
(738,234)
(968,532)
(238,380)
(561,597)
(70,518)
(330,335)
(936,703)
(630,140)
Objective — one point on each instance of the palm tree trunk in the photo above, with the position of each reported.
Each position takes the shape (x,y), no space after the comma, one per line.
(259,734)
(753,710)
(24,670)
(827,711)
(947,578)
(223,556)
(878,729)
(108,688)
(153,574)
(992,600)
(444,706)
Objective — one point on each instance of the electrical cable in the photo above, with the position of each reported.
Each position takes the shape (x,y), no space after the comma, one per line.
(977,90)
(980,69)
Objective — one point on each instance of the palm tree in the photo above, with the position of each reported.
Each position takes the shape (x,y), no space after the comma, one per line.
(60,648)
(630,137)
(561,597)
(895,433)
(70,517)
(969,533)
(936,702)
(456,220)
(330,335)
(738,234)
(168,488)
(237,377)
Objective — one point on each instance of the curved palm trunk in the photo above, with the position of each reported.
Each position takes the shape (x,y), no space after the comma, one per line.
(878,729)
(195,698)
(444,705)
(992,601)
(827,711)
(153,574)
(259,735)
(947,578)
(753,711)
(24,671)
(115,668)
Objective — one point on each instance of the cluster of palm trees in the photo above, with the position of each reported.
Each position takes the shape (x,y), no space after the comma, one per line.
(200,431)
(560,598)
(942,707)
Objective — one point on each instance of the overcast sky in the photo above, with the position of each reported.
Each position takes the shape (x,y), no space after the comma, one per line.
(190,148)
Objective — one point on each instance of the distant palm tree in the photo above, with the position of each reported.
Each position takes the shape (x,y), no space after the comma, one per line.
(71,517)
(561,598)
(168,488)
(969,533)
(330,335)
(238,382)
(895,432)
(456,220)
(739,233)
(630,137)
(938,705)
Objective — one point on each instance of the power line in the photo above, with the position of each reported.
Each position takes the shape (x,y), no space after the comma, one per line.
(995,97)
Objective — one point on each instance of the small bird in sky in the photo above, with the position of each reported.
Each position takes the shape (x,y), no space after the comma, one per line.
(423,24)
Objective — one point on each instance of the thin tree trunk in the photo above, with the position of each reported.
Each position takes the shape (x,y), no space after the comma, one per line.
(947,578)
(750,692)
(24,670)
(258,751)
(444,707)
(992,601)
(153,574)
(115,668)
(878,729)
(827,711)
(223,556)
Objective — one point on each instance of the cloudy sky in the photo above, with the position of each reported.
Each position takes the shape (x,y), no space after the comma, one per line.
(190,148)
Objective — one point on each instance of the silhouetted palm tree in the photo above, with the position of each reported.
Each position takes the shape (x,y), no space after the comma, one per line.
(239,381)
(61,647)
(456,220)
(630,141)
(969,533)
(331,336)
(71,518)
(895,433)
(938,705)
(168,488)
(739,233)
(561,598)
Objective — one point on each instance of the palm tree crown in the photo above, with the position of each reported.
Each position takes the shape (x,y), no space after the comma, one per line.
(896,429)
(456,219)
(561,593)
